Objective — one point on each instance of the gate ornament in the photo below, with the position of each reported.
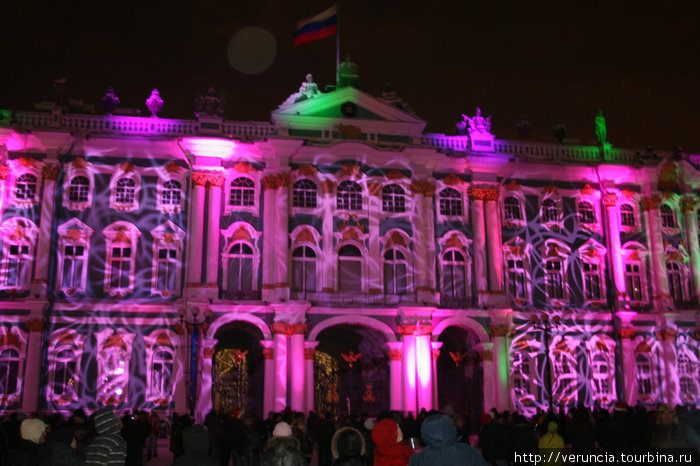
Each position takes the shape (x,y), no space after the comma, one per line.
(369,395)
(351,358)
(458,357)
(332,395)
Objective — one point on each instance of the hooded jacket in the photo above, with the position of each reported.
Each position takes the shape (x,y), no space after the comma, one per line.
(109,447)
(195,440)
(390,449)
(443,446)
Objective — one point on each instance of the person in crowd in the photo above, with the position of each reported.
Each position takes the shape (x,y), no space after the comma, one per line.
(109,447)
(179,423)
(281,454)
(134,432)
(668,432)
(195,442)
(390,448)
(348,448)
(282,433)
(60,444)
(366,430)
(494,440)
(325,431)
(582,430)
(31,449)
(83,433)
(442,445)
(301,432)
(154,431)
(253,434)
(552,441)
(523,436)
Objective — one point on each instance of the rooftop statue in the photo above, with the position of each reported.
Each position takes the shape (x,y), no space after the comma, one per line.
(391,98)
(307,90)
(348,74)
(110,101)
(601,132)
(209,105)
(476,125)
(59,86)
(154,103)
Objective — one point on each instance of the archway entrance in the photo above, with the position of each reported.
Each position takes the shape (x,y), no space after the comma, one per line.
(460,375)
(351,371)
(238,369)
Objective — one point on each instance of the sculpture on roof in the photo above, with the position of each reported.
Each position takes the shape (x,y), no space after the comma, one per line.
(391,98)
(601,132)
(476,125)
(59,86)
(307,90)
(209,105)
(154,103)
(110,101)
(348,74)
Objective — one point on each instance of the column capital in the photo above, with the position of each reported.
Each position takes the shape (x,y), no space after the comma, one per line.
(288,329)
(395,355)
(483,194)
(499,330)
(50,172)
(271,182)
(374,189)
(200,179)
(486,355)
(610,200)
(688,203)
(215,180)
(268,353)
(666,334)
(328,186)
(626,333)
(208,353)
(4,171)
(425,188)
(309,353)
(36,325)
(284,178)
(415,329)
(649,203)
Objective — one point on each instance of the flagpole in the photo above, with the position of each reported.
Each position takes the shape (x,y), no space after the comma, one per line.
(337,40)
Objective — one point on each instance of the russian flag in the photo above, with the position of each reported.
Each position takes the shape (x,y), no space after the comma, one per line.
(322,25)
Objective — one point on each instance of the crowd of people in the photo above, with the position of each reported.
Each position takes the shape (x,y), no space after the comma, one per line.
(293,439)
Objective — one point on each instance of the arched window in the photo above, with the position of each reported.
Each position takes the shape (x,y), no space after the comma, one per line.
(586,212)
(592,281)
(554,278)
(171,194)
(17,264)
(454,270)
(162,373)
(9,371)
(450,202)
(601,375)
(79,189)
(124,192)
(511,208)
(676,284)
(65,372)
(520,374)
(304,269)
(565,377)
(668,217)
(25,187)
(115,377)
(242,192)
(304,194)
(627,215)
(645,381)
(349,268)
(240,267)
(349,196)
(687,374)
(393,198)
(550,211)
(517,279)
(395,272)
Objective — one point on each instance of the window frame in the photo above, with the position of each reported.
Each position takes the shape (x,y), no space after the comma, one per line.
(21,233)
(125,172)
(346,204)
(170,237)
(362,259)
(517,250)
(635,254)
(231,178)
(76,234)
(304,260)
(306,191)
(556,252)
(458,198)
(116,234)
(76,168)
(391,197)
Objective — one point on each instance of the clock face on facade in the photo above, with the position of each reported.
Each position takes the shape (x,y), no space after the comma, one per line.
(349,110)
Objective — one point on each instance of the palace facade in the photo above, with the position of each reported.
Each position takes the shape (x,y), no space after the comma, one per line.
(339,259)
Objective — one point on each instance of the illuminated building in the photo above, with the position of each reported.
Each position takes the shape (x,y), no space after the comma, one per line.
(339,259)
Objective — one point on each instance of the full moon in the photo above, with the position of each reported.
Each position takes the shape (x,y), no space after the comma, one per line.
(251,50)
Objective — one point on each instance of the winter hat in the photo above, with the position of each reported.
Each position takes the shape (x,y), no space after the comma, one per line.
(33,429)
(552,427)
(369,424)
(620,406)
(386,433)
(486,419)
(282,429)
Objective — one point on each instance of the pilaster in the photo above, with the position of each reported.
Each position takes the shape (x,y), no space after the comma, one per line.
(30,395)
(614,245)
(690,217)
(43,247)
(196,242)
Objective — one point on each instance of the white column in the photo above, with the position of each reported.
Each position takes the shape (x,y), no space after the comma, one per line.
(181,374)
(429,237)
(671,384)
(328,262)
(206,353)
(628,366)
(270,184)
(410,378)
(614,245)
(269,395)
(500,358)
(424,371)
(691,233)
(282,238)
(375,257)
(213,232)
(32,367)
(309,387)
(661,299)
(43,246)
(479,246)
(420,277)
(494,247)
(296,365)
(396,401)
(435,345)
(280,380)
(486,354)
(196,239)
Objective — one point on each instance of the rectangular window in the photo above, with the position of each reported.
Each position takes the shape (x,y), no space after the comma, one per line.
(517,285)
(18,263)
(167,269)
(554,279)
(633,281)
(121,268)
(73,263)
(591,281)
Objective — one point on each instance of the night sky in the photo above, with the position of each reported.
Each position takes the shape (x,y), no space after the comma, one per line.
(637,61)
